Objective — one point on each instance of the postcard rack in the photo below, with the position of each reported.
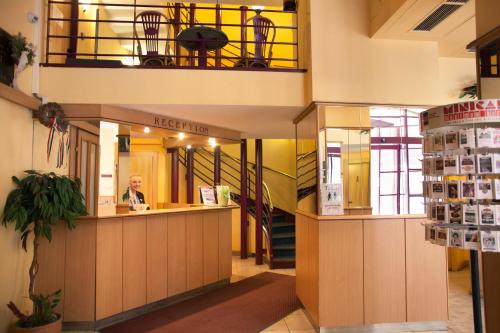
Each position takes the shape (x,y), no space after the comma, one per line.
(461,187)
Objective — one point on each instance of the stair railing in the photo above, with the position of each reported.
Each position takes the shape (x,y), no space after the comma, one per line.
(306,174)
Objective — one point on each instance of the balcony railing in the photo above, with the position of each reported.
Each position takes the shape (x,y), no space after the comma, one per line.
(146,34)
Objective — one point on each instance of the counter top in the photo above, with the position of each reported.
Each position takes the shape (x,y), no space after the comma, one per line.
(194,208)
(360,217)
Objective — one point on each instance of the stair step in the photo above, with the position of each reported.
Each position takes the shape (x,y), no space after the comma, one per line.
(284,259)
(282,224)
(284,235)
(284,247)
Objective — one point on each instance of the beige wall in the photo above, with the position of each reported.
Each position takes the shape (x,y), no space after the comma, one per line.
(381,11)
(454,75)
(348,66)
(23,145)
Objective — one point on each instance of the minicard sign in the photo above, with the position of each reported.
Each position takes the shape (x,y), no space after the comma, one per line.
(482,111)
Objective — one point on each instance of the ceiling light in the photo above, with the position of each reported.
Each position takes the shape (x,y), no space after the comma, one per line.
(260,8)
(212,142)
(147,130)
(85,7)
(181,136)
(188,147)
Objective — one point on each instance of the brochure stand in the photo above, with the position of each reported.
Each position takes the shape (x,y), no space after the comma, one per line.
(461,168)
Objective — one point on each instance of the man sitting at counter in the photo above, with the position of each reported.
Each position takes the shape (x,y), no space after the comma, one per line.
(134,196)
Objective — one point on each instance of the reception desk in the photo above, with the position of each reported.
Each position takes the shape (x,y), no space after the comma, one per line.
(355,273)
(111,268)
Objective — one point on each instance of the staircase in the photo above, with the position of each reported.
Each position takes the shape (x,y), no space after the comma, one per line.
(278,225)
(306,175)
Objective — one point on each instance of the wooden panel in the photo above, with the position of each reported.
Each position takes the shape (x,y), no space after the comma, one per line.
(313,275)
(134,262)
(210,247)
(156,258)
(225,249)
(426,276)
(491,276)
(18,97)
(384,271)
(194,227)
(51,262)
(341,271)
(79,286)
(109,268)
(177,273)
(301,258)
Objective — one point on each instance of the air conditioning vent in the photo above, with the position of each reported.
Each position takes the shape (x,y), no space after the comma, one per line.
(440,14)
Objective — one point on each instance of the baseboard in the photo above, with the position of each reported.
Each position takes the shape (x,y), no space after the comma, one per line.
(390,328)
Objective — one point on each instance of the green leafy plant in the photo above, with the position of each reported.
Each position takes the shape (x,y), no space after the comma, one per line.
(126,195)
(19,45)
(37,203)
(469,91)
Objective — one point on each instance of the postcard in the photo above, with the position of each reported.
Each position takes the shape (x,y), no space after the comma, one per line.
(486,215)
(485,163)
(441,212)
(437,190)
(451,140)
(468,190)
(484,189)
(454,213)
(489,241)
(470,214)
(453,189)
(456,238)
(471,239)
(467,164)
(484,137)
(450,165)
(438,142)
(467,138)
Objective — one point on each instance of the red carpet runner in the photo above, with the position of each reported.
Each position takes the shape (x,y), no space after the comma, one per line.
(249,305)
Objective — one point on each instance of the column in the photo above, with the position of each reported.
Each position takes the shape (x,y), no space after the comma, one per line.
(258,201)
(217,166)
(243,200)
(190,175)
(174,172)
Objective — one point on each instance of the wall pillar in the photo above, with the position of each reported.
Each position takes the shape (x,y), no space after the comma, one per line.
(258,201)
(190,175)
(174,172)
(217,166)
(243,200)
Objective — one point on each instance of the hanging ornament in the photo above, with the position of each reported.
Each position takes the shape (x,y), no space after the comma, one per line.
(51,115)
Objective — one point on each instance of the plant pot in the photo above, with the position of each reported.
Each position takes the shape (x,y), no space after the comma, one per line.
(54,327)
(6,62)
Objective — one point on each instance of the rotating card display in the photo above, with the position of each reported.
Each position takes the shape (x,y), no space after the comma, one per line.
(461,168)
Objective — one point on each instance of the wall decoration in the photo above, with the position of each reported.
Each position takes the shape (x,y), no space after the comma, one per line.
(51,115)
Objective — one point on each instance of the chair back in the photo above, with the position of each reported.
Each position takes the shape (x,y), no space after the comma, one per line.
(263,27)
(151,22)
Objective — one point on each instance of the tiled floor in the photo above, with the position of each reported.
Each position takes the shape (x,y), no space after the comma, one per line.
(460,303)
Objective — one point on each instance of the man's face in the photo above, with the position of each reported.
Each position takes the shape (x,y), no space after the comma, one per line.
(135,183)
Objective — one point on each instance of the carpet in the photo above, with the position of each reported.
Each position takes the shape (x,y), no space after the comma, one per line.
(249,305)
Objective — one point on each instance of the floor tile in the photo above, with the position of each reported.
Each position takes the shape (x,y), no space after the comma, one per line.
(298,323)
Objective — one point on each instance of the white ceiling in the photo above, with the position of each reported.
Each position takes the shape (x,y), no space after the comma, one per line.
(452,35)
(267,122)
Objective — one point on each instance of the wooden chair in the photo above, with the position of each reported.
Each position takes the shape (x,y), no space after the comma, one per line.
(151,23)
(263,52)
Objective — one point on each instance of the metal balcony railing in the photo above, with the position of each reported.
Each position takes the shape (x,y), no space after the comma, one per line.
(113,33)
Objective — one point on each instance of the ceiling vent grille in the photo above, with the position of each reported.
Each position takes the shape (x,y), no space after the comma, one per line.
(440,14)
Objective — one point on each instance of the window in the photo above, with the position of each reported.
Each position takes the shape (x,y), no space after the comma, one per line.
(489,58)
(396,154)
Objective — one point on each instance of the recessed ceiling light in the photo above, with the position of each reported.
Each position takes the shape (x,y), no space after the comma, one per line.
(258,8)
(181,136)
(188,147)
(147,130)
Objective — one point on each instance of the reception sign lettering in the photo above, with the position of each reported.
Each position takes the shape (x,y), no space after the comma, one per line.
(482,111)
(180,125)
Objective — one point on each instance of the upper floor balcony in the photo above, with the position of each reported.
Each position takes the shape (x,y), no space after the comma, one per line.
(170,35)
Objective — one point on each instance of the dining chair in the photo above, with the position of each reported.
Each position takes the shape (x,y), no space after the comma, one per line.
(148,46)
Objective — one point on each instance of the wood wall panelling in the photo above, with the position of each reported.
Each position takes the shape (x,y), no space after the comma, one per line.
(341,272)
(109,268)
(177,270)
(80,268)
(225,246)
(210,247)
(313,260)
(301,260)
(426,276)
(51,260)
(134,262)
(384,271)
(491,274)
(194,227)
(157,254)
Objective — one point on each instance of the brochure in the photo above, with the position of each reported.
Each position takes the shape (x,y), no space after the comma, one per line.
(497,189)
(496,163)
(441,212)
(467,164)
(489,241)
(486,215)
(450,165)
(496,137)
(451,140)
(207,195)
(471,239)
(438,166)
(470,214)
(468,190)
(438,142)
(467,138)
(433,235)
(484,137)
(453,189)
(427,147)
(497,214)
(454,213)
(437,190)
(442,236)
(484,189)
(485,163)
(456,238)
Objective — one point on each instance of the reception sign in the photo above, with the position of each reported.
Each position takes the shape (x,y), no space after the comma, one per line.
(480,112)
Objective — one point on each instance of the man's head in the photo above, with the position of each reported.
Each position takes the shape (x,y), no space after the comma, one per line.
(135,182)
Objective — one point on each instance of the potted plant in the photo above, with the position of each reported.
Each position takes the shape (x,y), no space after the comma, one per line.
(38,202)
(23,54)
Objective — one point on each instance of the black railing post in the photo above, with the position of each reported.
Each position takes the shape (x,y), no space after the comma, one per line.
(217,166)
(192,19)
(218,22)
(174,182)
(190,175)
(258,201)
(244,10)
(243,200)
(73,31)
(177,29)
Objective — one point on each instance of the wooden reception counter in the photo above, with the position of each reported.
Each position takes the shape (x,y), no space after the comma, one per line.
(111,268)
(356,272)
